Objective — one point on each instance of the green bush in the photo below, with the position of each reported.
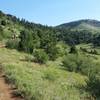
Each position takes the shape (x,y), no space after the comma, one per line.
(40,56)
(49,75)
(69,63)
(94,52)
(1,38)
(28,58)
(12,44)
(3,22)
(61,49)
(93,85)
(78,63)
(1,33)
(73,50)
(53,53)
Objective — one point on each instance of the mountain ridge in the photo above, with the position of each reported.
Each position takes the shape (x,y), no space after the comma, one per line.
(76,22)
(83,24)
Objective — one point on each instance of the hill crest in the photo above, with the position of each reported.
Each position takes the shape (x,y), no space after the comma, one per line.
(84,24)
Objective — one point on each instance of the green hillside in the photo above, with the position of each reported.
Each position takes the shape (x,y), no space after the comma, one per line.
(41,82)
(89,25)
(50,63)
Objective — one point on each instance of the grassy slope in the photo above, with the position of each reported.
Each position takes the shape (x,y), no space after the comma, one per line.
(89,47)
(41,82)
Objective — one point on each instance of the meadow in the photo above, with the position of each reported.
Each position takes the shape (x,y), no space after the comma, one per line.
(35,81)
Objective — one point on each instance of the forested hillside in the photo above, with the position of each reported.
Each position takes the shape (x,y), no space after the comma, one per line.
(71,33)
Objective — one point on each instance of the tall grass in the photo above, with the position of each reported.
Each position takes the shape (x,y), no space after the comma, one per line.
(41,82)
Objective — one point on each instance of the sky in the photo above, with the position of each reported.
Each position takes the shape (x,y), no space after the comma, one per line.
(52,12)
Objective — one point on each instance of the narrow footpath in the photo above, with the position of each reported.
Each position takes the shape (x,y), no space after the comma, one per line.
(6,91)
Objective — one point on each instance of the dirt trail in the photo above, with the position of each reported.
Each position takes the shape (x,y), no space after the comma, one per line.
(2,46)
(6,91)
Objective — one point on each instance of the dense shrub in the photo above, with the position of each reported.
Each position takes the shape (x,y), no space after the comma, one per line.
(3,22)
(26,41)
(4,34)
(94,52)
(91,51)
(40,56)
(93,83)
(77,63)
(83,49)
(69,63)
(73,49)
(61,49)
(12,44)
(1,37)
(1,33)
(53,53)
(96,40)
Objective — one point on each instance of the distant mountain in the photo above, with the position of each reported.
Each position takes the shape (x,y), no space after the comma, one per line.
(90,25)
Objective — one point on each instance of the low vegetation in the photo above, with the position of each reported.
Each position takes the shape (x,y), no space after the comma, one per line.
(78,63)
(41,82)
(40,56)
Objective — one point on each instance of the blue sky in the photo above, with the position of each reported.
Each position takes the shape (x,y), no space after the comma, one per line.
(52,12)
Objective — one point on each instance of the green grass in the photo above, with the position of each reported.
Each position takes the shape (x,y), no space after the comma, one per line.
(89,47)
(41,82)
